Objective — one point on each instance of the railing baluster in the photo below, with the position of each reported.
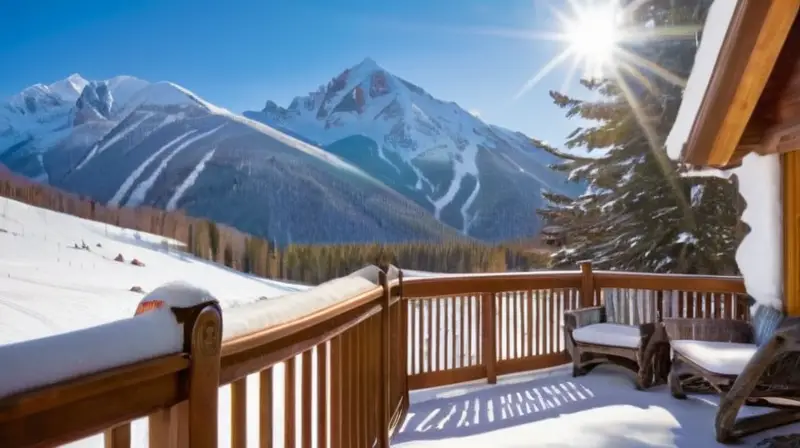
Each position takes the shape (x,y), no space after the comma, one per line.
(529,323)
(480,323)
(505,311)
(414,343)
(358,373)
(559,333)
(419,321)
(464,332)
(265,408)
(552,320)
(337,392)
(451,340)
(376,363)
(542,317)
(515,325)
(322,395)
(305,397)
(429,334)
(536,319)
(239,413)
(488,319)
(347,393)
(289,404)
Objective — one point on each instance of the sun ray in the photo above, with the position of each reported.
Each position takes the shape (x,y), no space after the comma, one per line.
(654,144)
(633,6)
(510,33)
(553,63)
(651,66)
(570,75)
(625,66)
(662,32)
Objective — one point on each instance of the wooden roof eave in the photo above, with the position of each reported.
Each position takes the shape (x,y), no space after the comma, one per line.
(748,54)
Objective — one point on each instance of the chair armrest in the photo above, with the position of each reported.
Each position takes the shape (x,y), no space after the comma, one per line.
(585,316)
(711,330)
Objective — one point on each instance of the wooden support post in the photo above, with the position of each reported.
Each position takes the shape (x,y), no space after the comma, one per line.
(489,337)
(206,341)
(383,398)
(119,436)
(404,304)
(587,284)
(790,164)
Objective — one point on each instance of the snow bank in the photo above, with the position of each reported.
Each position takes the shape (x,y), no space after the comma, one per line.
(760,255)
(257,316)
(717,22)
(45,361)
(48,287)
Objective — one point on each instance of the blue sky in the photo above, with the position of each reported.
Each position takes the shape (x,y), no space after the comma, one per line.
(240,53)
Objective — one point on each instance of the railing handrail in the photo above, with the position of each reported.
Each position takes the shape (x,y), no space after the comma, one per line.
(257,351)
(166,378)
(286,329)
(683,282)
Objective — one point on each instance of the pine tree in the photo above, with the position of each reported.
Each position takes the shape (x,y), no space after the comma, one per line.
(213,239)
(639,213)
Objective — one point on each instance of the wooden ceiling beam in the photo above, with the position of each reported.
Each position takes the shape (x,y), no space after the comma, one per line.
(749,52)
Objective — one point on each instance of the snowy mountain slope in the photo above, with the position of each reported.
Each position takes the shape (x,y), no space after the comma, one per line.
(479,178)
(40,270)
(130,142)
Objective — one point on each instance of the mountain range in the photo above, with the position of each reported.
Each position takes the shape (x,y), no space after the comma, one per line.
(367,157)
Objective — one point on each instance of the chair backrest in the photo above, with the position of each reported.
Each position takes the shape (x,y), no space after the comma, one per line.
(630,306)
(765,321)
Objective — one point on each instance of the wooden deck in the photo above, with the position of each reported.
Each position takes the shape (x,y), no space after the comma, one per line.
(341,377)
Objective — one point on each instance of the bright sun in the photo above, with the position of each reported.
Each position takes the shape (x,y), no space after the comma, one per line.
(592,35)
(595,34)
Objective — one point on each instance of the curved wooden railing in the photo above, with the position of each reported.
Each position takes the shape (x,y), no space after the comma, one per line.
(340,377)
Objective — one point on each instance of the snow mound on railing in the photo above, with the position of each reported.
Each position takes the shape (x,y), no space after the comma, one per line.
(41,362)
(257,316)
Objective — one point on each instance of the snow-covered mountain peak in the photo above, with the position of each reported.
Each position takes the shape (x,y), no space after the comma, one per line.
(95,103)
(368,64)
(168,94)
(69,88)
(435,152)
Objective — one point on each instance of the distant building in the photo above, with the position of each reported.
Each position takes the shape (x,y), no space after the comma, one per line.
(554,236)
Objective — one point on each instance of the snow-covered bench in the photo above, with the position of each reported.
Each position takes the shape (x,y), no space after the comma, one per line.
(753,363)
(592,339)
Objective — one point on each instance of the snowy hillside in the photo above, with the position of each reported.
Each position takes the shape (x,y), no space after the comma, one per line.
(479,178)
(125,141)
(42,271)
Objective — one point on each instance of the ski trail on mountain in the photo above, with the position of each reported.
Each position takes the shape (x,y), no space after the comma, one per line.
(99,149)
(137,197)
(461,169)
(126,186)
(467,204)
(189,181)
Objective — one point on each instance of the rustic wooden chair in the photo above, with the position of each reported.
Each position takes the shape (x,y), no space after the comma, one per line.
(607,334)
(748,363)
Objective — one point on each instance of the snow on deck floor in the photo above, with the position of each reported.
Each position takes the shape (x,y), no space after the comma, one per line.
(601,409)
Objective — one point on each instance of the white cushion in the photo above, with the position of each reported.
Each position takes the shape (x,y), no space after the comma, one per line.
(725,358)
(613,335)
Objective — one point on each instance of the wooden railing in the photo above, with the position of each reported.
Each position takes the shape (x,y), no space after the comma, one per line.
(340,377)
